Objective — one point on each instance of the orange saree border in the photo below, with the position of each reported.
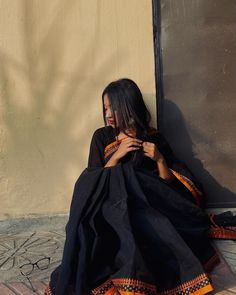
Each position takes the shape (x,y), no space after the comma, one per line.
(111,147)
(220,232)
(123,286)
(199,285)
(189,185)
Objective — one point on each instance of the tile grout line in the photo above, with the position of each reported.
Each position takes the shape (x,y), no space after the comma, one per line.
(10,288)
(29,287)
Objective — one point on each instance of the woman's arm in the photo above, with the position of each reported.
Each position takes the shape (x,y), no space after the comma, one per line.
(164,171)
(96,157)
(150,150)
(113,161)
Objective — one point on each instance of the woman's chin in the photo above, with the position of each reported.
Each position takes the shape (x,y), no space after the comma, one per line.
(112,125)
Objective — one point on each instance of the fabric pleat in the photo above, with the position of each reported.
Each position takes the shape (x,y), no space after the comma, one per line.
(131,231)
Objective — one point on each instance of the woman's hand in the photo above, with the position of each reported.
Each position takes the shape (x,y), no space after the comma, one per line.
(127,145)
(150,150)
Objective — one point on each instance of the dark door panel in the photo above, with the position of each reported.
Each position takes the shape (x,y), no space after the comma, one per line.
(195,47)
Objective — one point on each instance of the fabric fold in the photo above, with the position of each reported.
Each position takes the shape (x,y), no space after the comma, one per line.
(130,231)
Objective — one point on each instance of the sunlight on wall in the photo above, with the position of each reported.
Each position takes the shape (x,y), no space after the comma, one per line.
(56,57)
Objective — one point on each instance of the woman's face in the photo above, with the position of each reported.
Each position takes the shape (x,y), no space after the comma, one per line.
(108,112)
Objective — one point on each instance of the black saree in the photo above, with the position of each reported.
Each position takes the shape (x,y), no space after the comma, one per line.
(131,232)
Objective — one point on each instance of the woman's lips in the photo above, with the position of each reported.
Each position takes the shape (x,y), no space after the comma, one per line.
(111,122)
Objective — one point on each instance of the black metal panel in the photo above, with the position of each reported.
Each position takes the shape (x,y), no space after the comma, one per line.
(197,105)
(158,58)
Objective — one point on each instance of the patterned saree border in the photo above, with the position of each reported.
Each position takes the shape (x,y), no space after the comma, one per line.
(196,193)
(223,233)
(197,286)
(109,149)
(113,146)
(124,286)
(220,232)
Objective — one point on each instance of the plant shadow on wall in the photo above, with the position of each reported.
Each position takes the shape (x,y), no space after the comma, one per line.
(47,110)
(183,146)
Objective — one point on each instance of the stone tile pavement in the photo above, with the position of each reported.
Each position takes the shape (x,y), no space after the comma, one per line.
(28,243)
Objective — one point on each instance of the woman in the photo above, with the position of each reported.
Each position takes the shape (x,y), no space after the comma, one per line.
(136,225)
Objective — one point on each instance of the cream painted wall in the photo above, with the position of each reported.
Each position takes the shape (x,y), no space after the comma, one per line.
(55,59)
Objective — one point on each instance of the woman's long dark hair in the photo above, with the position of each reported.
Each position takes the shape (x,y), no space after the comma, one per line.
(127,102)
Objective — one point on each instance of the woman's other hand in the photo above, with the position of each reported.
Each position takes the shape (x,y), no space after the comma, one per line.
(150,150)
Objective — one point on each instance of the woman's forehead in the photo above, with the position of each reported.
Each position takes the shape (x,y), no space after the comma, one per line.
(106,100)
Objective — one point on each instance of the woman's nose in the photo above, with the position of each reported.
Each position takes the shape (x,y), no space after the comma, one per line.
(108,113)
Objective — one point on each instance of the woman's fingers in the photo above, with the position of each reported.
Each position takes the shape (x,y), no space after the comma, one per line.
(132,148)
(127,145)
(148,144)
(150,150)
(133,141)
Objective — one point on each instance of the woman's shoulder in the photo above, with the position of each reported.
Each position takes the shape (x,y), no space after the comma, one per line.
(103,131)
(104,134)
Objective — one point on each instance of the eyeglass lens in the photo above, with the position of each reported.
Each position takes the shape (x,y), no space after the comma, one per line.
(27,269)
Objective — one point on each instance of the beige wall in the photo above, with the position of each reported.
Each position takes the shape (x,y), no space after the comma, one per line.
(55,59)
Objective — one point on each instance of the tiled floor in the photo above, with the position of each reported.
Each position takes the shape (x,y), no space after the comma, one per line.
(21,247)
(19,288)
(28,241)
(224,280)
